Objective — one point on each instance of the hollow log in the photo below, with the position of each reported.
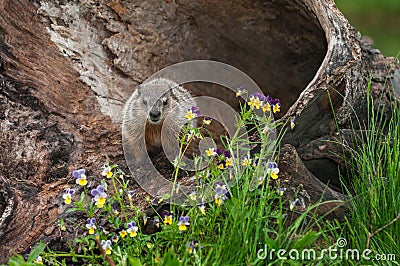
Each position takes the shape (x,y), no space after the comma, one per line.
(67,67)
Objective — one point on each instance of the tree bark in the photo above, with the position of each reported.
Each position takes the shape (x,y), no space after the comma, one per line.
(67,67)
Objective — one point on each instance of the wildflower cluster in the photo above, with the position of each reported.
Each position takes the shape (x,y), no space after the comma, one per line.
(104,205)
(168,219)
(223,158)
(265,103)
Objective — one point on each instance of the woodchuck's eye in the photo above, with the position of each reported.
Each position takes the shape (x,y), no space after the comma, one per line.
(165,101)
(144,102)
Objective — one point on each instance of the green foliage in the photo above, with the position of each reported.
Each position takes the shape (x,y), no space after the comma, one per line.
(374,221)
(376,19)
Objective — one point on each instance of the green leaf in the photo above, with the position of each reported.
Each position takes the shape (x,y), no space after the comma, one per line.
(18,260)
(170,259)
(134,261)
(306,240)
(271,243)
(36,252)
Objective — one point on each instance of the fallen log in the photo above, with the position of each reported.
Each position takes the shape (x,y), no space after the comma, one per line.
(66,69)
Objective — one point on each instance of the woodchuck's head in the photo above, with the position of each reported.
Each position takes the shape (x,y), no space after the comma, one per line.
(157,99)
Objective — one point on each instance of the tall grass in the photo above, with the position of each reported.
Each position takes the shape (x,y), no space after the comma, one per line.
(374,219)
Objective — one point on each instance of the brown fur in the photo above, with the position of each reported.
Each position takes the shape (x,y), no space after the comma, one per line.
(137,127)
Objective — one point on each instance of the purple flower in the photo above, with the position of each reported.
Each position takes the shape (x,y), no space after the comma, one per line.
(192,113)
(131,193)
(227,154)
(272,165)
(195,110)
(97,191)
(192,245)
(268,98)
(67,196)
(132,229)
(260,96)
(99,196)
(166,213)
(131,224)
(207,120)
(221,192)
(274,101)
(70,191)
(91,225)
(78,173)
(219,151)
(220,188)
(184,219)
(183,223)
(80,177)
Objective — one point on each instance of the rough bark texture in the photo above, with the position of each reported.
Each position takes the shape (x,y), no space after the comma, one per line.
(66,68)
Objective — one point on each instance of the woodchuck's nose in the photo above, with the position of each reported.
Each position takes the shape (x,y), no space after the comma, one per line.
(155,115)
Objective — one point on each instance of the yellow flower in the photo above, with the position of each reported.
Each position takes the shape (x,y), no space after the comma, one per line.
(182,227)
(183,223)
(277,108)
(123,233)
(100,202)
(106,245)
(221,166)
(255,102)
(38,260)
(273,170)
(266,107)
(91,225)
(219,201)
(149,245)
(82,181)
(67,200)
(246,162)
(190,115)
(203,209)
(107,251)
(210,152)
(228,162)
(293,123)
(274,173)
(207,121)
(168,219)
(67,196)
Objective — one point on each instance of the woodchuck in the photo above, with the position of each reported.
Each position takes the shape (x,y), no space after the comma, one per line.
(156,106)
